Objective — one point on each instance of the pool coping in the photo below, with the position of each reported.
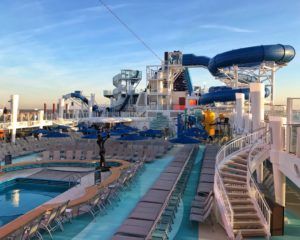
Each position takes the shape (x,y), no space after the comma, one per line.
(90,192)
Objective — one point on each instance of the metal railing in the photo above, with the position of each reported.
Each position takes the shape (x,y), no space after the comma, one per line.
(237,145)
(253,189)
(223,194)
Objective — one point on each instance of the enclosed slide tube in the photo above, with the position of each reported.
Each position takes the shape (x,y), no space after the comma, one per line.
(243,57)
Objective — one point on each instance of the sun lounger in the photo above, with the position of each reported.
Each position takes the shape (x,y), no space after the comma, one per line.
(56,155)
(46,155)
(48,223)
(122,237)
(155,196)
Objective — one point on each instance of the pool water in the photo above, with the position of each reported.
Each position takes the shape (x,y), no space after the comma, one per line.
(26,158)
(104,226)
(19,196)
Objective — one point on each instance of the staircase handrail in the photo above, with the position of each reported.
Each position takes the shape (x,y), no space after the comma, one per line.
(223,192)
(256,194)
(237,145)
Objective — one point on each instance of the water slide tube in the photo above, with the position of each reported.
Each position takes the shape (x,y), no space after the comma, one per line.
(243,57)
(78,95)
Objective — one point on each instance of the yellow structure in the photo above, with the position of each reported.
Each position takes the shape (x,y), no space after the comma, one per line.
(209,122)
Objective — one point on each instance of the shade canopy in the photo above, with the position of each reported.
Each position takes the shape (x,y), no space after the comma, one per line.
(184,140)
(94,135)
(38,131)
(151,133)
(118,132)
(56,135)
(89,131)
(132,137)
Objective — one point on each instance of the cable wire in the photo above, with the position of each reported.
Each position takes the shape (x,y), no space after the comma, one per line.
(130,30)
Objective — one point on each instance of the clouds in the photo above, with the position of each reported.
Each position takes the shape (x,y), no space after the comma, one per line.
(50,47)
(226,28)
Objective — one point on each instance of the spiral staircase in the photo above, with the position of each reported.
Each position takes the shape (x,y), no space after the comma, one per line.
(243,209)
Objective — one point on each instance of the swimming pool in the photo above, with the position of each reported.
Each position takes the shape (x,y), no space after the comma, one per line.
(21,195)
(104,226)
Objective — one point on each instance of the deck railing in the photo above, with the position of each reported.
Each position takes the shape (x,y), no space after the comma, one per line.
(256,152)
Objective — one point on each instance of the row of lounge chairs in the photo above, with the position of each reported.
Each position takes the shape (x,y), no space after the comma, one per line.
(68,155)
(49,221)
(28,145)
(203,201)
(110,194)
(153,215)
(114,150)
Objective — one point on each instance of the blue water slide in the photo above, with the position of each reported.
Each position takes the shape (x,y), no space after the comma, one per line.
(78,95)
(187,77)
(243,57)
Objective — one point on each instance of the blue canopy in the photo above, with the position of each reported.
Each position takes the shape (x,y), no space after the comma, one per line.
(89,131)
(184,140)
(62,127)
(118,132)
(38,131)
(151,133)
(195,132)
(56,135)
(94,136)
(90,136)
(125,127)
(132,137)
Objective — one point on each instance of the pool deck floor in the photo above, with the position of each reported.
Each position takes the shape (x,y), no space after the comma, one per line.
(207,231)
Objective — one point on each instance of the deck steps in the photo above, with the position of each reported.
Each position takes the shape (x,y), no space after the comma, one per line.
(237,165)
(234,176)
(259,232)
(247,224)
(230,175)
(234,170)
(234,187)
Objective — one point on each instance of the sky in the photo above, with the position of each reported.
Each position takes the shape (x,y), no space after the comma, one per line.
(52,47)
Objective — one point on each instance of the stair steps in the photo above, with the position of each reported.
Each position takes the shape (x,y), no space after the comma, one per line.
(235,187)
(246,224)
(237,165)
(234,170)
(233,176)
(233,181)
(259,232)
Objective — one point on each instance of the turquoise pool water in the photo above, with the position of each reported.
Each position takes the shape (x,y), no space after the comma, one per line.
(104,226)
(26,158)
(183,228)
(19,196)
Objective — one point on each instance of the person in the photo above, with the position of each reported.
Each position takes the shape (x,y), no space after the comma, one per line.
(101,141)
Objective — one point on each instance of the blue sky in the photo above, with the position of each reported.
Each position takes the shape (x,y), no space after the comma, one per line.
(51,47)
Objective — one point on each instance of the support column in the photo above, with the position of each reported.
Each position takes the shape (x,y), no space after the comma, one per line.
(91,104)
(298,143)
(257,104)
(248,123)
(14,116)
(61,104)
(239,108)
(257,110)
(41,118)
(276,124)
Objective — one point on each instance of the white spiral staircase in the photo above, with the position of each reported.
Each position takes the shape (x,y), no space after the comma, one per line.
(243,209)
